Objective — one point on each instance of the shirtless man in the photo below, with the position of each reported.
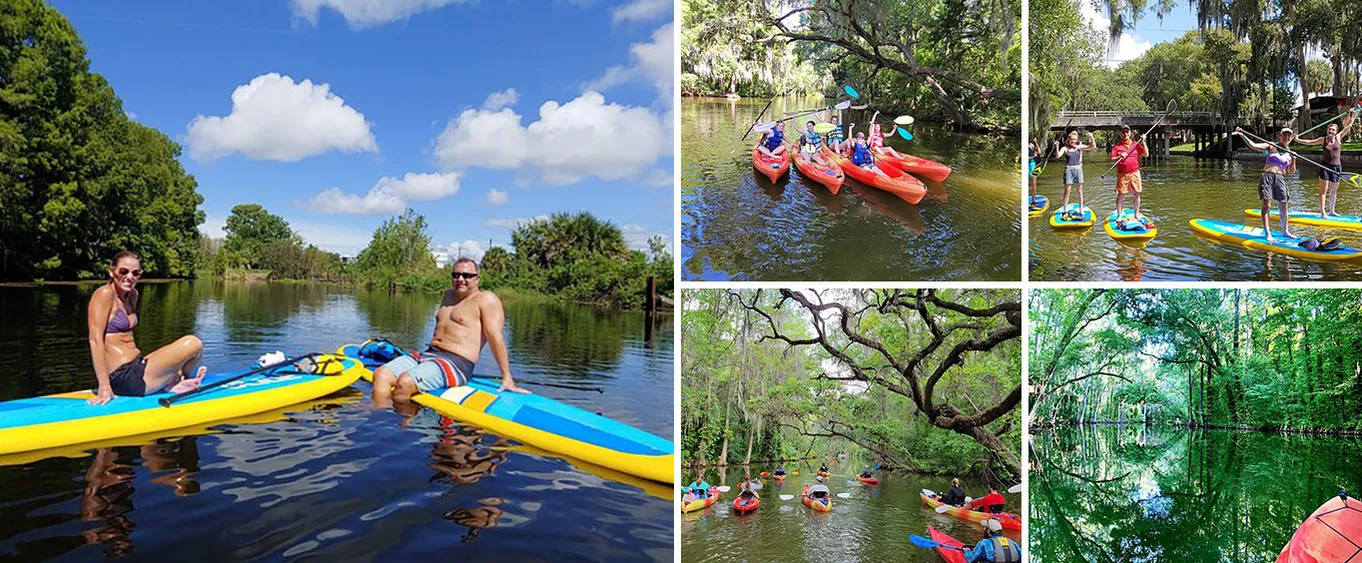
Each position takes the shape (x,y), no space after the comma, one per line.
(467,319)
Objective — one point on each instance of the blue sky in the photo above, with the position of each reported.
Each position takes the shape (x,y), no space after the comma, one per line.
(335,114)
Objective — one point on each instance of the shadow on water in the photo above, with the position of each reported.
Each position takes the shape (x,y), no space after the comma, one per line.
(736,224)
(333,479)
(1144,494)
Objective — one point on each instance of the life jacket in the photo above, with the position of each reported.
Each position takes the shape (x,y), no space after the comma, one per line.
(836,133)
(812,139)
(1004,550)
(860,154)
(774,139)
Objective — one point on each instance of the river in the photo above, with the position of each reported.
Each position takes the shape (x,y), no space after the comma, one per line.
(872,525)
(333,479)
(737,225)
(1143,494)
(1177,190)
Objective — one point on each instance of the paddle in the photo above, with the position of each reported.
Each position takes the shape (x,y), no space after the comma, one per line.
(759,116)
(901,131)
(946,507)
(1172,106)
(839,495)
(797,113)
(1045,159)
(1351,177)
(167,401)
(767,125)
(498,378)
(929,544)
(1317,126)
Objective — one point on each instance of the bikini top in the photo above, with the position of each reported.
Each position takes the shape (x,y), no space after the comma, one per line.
(119,323)
(1280,160)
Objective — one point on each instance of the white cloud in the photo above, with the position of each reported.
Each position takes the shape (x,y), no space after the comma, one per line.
(636,237)
(497,197)
(130,115)
(504,98)
(470,248)
(1128,46)
(584,137)
(389,195)
(652,63)
(505,223)
(640,10)
(333,237)
(360,14)
(275,118)
(212,227)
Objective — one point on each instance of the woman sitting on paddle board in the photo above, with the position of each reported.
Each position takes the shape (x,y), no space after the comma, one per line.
(1072,153)
(1333,162)
(809,143)
(120,368)
(1272,183)
(773,141)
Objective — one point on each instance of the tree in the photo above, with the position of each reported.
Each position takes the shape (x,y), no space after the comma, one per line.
(497,259)
(250,228)
(397,250)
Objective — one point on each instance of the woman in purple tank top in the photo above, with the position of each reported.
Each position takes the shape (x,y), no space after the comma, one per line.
(1332,170)
(120,368)
(1272,184)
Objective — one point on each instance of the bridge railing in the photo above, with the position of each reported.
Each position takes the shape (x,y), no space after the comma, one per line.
(1107,114)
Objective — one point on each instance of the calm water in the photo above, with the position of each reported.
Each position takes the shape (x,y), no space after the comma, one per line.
(736,225)
(333,480)
(1139,494)
(1177,190)
(872,525)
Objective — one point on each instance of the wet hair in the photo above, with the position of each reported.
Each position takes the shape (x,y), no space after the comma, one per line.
(121,255)
(467,260)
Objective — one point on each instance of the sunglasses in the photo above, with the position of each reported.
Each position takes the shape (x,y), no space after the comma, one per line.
(124,271)
(463,275)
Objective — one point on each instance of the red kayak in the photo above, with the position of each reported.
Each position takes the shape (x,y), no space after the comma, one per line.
(772,167)
(780,478)
(929,169)
(830,176)
(905,186)
(1332,533)
(868,480)
(742,505)
(947,555)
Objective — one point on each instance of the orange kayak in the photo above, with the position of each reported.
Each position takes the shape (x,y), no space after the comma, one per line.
(698,504)
(772,167)
(1332,533)
(905,186)
(830,176)
(780,478)
(821,505)
(929,169)
(1008,520)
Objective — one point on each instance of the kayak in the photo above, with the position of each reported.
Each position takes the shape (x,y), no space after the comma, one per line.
(868,480)
(66,419)
(547,424)
(1086,220)
(823,474)
(830,176)
(1009,520)
(1253,237)
(929,169)
(700,504)
(1332,533)
(908,188)
(948,555)
(821,505)
(765,473)
(1037,206)
(1312,218)
(1135,232)
(742,505)
(780,478)
(772,167)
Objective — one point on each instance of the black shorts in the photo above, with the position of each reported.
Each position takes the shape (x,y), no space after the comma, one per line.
(127,381)
(1272,187)
(1331,172)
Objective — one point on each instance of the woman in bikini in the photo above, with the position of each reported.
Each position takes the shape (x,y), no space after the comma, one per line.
(120,367)
(1272,182)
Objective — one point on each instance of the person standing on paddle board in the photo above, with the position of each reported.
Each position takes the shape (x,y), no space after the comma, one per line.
(1128,152)
(1332,171)
(120,368)
(1072,153)
(467,319)
(1031,151)
(773,142)
(1272,183)
(995,548)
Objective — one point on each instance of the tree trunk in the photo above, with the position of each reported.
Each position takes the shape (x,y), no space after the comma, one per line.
(723,453)
(751,436)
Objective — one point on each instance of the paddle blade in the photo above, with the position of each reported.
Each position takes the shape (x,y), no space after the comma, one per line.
(905,134)
(944,508)
(822,129)
(860,107)
(795,473)
(844,104)
(877,467)
(764,126)
(904,120)
(786,497)
(922,542)
(852,92)
(724,489)
(1172,106)
(1016,489)
(929,492)
(843,495)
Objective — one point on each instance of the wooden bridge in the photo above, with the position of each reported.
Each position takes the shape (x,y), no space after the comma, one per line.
(1203,128)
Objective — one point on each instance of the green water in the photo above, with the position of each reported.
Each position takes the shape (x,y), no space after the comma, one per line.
(1138,494)
(1177,190)
(872,525)
(737,225)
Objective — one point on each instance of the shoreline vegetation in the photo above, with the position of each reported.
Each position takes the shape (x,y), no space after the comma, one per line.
(1280,430)
(80,180)
(974,86)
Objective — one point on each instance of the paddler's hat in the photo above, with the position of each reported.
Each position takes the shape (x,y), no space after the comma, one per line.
(993,525)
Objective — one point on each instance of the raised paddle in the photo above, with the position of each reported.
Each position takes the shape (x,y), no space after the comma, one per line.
(1351,177)
(902,132)
(1322,124)
(1172,107)
(767,125)
(167,401)
(763,112)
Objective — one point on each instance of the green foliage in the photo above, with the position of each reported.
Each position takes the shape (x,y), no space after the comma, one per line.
(250,229)
(79,180)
